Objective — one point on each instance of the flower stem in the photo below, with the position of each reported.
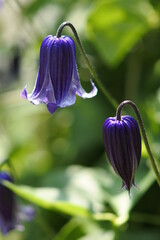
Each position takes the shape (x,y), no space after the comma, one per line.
(118,115)
(91,69)
(116,220)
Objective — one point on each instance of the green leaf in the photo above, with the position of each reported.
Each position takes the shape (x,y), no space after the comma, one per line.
(82,191)
(116,26)
(49,198)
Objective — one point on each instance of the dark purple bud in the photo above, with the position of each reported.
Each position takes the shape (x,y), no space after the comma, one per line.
(7,205)
(122,141)
(58,80)
(10,211)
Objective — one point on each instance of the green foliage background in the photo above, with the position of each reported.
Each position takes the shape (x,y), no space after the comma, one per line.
(58,161)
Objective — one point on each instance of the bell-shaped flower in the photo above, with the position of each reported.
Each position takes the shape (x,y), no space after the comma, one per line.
(58,80)
(122,141)
(11,214)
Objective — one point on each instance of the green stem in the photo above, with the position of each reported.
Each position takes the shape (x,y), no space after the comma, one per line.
(133,105)
(111,217)
(91,69)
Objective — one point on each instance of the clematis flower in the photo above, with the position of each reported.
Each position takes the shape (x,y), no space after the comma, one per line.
(122,141)
(11,213)
(58,80)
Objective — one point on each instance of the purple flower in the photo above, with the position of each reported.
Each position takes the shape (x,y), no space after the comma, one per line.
(58,80)
(10,212)
(122,143)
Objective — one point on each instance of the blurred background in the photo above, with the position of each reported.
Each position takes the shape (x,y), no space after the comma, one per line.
(60,157)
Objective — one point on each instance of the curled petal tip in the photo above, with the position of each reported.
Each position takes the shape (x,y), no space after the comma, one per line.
(82,93)
(94,90)
(24,93)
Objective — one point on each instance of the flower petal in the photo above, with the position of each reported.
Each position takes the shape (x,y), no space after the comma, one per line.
(52,107)
(44,65)
(24,93)
(61,67)
(82,93)
(76,85)
(43,90)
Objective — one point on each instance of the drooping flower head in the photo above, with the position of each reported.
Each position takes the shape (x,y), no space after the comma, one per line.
(58,80)
(122,143)
(10,211)
(7,205)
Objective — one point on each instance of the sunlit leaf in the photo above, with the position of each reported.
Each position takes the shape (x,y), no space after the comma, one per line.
(116,26)
(83,191)
(50,198)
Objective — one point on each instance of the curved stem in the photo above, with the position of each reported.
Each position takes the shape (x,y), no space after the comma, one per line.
(118,115)
(105,217)
(116,220)
(91,69)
